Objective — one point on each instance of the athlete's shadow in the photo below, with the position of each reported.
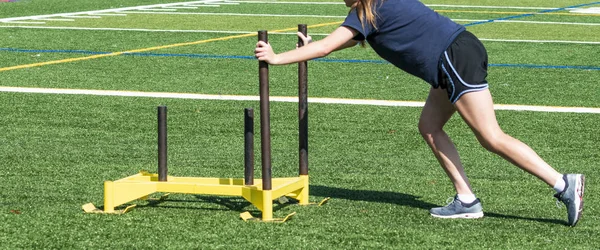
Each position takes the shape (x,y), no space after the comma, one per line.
(402,200)
(371,196)
(514,217)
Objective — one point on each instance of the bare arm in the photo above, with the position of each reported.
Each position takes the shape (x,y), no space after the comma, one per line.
(339,39)
(349,44)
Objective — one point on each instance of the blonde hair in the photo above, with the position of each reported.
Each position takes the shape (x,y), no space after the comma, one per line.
(366,14)
(366,10)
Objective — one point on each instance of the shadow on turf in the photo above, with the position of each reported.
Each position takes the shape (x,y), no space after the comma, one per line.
(225,204)
(371,196)
(402,200)
(514,217)
(241,205)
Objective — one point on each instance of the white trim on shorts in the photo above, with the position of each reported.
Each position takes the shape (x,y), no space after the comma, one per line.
(474,87)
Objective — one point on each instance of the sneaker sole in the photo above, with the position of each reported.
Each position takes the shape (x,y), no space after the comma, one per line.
(579,204)
(460,216)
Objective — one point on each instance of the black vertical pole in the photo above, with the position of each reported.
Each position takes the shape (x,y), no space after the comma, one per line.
(249,146)
(162,143)
(265,126)
(303,108)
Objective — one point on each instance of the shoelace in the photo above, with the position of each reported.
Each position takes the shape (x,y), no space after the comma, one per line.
(450,200)
(558,204)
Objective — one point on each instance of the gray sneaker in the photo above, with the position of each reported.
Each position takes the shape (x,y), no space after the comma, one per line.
(572,196)
(457,209)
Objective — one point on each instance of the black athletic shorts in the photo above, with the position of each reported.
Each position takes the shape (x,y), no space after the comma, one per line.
(463,66)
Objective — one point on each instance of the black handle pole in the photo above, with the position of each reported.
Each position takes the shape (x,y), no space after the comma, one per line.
(265,126)
(162,143)
(249,146)
(303,108)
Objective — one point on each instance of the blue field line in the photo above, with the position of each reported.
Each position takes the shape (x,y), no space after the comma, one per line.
(206,56)
(530,14)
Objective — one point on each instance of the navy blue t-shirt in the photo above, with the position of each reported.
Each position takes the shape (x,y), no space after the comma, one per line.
(409,35)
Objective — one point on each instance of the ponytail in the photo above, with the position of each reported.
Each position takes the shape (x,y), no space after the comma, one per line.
(366,14)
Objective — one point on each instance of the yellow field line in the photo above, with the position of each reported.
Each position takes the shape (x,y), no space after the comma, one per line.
(24,66)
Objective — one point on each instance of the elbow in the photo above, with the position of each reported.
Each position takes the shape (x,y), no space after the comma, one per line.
(324,51)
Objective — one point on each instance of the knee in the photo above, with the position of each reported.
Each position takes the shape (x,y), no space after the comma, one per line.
(493,142)
(428,131)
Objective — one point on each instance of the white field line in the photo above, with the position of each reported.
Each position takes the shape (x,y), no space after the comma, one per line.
(166,10)
(541,22)
(341,17)
(159,12)
(173,7)
(23,22)
(470,20)
(199,3)
(276,2)
(273,33)
(219,3)
(109,14)
(55,19)
(530,22)
(490,7)
(133,29)
(537,41)
(230,14)
(430,5)
(206,5)
(92,17)
(92,12)
(591,10)
(281,99)
(183,7)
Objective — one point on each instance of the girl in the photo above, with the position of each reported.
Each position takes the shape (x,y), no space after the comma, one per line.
(453,61)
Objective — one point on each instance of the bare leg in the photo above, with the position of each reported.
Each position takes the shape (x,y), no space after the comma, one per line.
(436,112)
(477,110)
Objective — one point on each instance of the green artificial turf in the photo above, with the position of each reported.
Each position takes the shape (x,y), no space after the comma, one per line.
(57,149)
